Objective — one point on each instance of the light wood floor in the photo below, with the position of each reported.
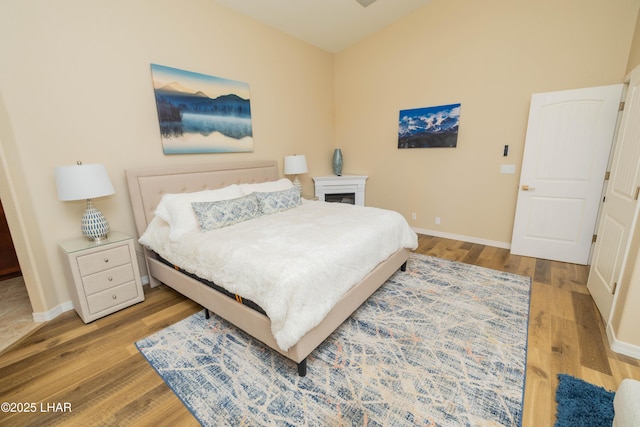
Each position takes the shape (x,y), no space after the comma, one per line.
(97,370)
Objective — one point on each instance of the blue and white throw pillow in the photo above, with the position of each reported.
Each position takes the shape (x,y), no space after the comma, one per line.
(276,201)
(218,214)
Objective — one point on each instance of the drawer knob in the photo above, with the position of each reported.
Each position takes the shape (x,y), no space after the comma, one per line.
(106,260)
(114,297)
(110,279)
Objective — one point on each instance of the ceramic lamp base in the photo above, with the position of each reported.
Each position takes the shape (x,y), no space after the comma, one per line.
(297,185)
(94,224)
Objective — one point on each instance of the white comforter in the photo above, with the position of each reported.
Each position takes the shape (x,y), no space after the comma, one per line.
(295,264)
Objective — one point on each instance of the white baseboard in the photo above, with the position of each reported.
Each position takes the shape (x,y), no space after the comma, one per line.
(620,346)
(65,306)
(469,239)
(53,313)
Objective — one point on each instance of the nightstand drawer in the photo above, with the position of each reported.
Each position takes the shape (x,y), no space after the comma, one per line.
(108,279)
(99,261)
(112,297)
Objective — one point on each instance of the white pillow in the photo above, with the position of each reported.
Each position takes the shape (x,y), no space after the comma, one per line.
(267,187)
(177,211)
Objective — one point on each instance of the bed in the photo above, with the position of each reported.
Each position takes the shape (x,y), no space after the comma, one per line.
(148,186)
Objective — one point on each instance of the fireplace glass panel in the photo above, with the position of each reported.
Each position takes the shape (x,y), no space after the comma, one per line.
(349,198)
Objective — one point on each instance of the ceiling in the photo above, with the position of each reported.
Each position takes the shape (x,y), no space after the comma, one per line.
(331,25)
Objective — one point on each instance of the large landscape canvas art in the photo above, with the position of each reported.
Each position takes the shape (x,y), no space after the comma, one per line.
(429,127)
(199,113)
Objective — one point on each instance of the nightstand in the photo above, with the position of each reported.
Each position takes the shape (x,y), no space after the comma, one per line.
(102,277)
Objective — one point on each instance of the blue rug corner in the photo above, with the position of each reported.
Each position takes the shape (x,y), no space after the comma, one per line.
(582,404)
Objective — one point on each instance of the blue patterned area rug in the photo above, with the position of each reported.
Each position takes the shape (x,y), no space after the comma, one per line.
(442,344)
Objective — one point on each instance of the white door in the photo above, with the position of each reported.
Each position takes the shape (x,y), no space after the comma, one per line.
(620,209)
(566,152)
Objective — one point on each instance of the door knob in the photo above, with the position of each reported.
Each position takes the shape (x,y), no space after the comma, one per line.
(527,188)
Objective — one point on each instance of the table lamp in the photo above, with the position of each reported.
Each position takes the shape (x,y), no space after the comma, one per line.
(79,182)
(294,165)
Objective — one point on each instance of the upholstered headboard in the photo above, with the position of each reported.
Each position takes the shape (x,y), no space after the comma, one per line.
(148,185)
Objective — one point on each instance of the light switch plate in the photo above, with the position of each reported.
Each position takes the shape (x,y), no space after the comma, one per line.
(507,168)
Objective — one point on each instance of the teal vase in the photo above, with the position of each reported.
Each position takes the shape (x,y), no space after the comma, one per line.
(337,162)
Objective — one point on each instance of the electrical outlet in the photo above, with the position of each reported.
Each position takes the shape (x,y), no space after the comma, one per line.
(437,220)
(414,216)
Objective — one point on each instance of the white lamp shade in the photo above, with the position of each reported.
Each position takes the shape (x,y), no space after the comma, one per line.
(294,165)
(83,182)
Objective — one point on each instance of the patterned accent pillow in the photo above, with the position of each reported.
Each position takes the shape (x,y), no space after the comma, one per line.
(176,209)
(218,214)
(277,201)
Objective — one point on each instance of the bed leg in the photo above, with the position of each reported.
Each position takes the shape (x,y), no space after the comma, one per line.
(403,267)
(302,368)
(206,313)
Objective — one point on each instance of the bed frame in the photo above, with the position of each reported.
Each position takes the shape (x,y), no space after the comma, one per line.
(146,187)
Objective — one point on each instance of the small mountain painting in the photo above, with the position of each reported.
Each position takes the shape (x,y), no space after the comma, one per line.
(199,113)
(429,127)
